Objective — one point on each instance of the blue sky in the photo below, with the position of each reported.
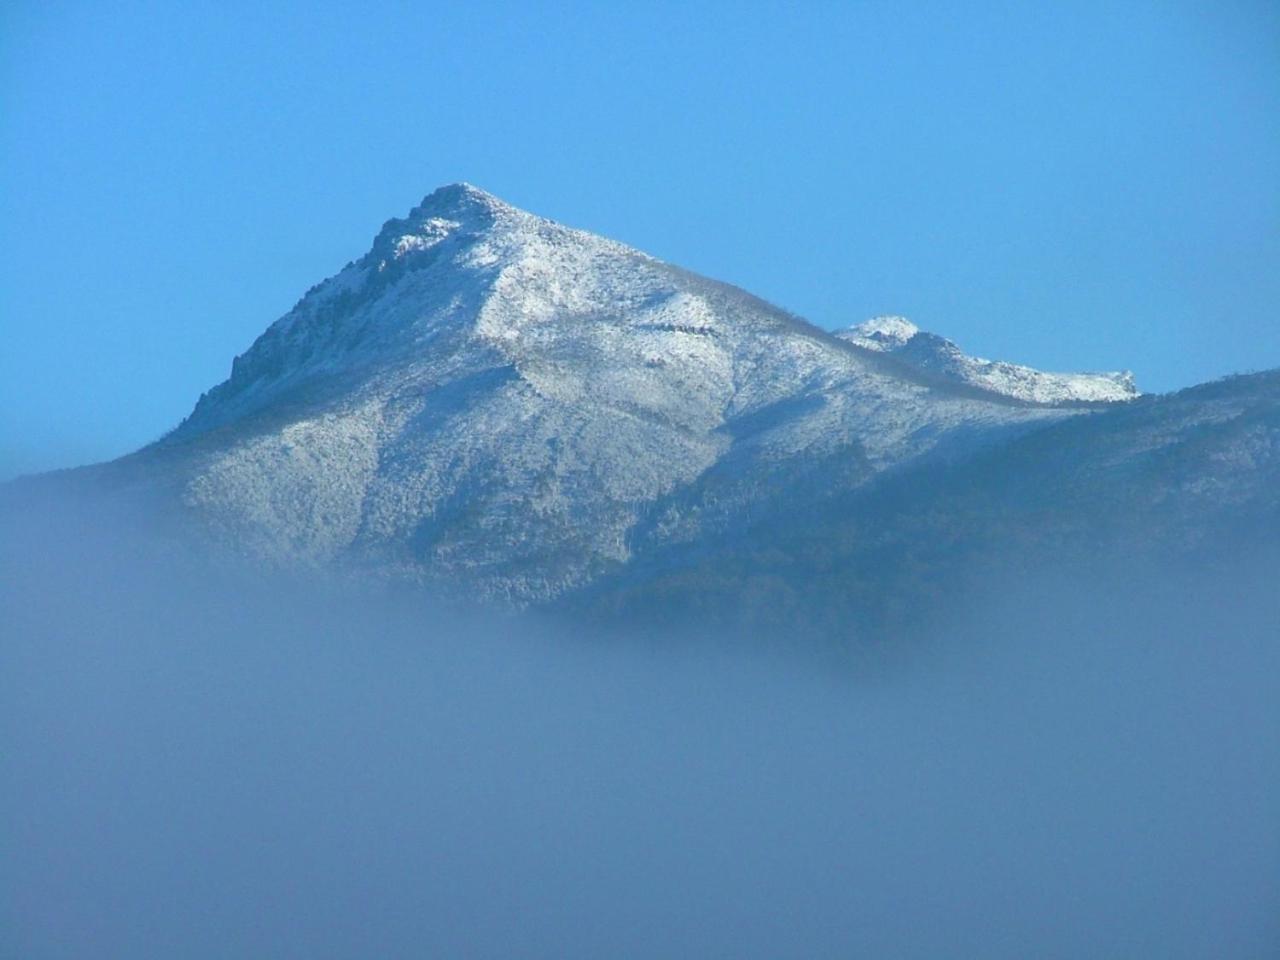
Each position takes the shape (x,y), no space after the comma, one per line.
(1079,185)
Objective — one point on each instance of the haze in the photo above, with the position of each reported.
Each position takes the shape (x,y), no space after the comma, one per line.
(198,764)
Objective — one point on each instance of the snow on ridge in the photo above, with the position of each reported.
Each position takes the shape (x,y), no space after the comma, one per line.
(491,396)
(940,356)
(884,333)
(461,197)
(458,208)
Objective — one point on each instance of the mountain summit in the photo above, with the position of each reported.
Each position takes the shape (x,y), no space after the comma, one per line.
(501,406)
(490,397)
(927,351)
(464,263)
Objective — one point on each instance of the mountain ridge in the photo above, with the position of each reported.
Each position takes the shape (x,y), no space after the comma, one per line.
(899,337)
(497,405)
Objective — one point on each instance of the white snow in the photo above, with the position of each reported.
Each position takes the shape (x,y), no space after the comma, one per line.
(884,333)
(491,398)
(936,355)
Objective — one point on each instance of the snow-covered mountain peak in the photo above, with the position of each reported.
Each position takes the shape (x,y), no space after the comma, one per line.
(461,264)
(462,200)
(457,209)
(503,406)
(494,397)
(883,333)
(943,358)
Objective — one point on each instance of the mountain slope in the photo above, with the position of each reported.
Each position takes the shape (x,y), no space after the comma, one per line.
(1168,484)
(506,407)
(494,402)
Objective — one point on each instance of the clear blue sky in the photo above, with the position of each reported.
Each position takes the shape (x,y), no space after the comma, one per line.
(1069,185)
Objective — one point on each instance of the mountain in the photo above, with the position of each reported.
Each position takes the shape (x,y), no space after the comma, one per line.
(1184,486)
(488,398)
(502,407)
(929,352)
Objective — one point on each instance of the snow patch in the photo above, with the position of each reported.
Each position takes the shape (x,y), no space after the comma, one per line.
(941,357)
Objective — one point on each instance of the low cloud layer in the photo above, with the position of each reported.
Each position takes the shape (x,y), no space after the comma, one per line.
(203,765)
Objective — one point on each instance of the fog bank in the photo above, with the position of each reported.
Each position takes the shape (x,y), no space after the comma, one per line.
(201,765)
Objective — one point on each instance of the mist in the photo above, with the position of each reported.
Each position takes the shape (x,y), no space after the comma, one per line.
(200,763)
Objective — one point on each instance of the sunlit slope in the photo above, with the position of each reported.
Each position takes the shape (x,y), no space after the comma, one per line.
(494,403)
